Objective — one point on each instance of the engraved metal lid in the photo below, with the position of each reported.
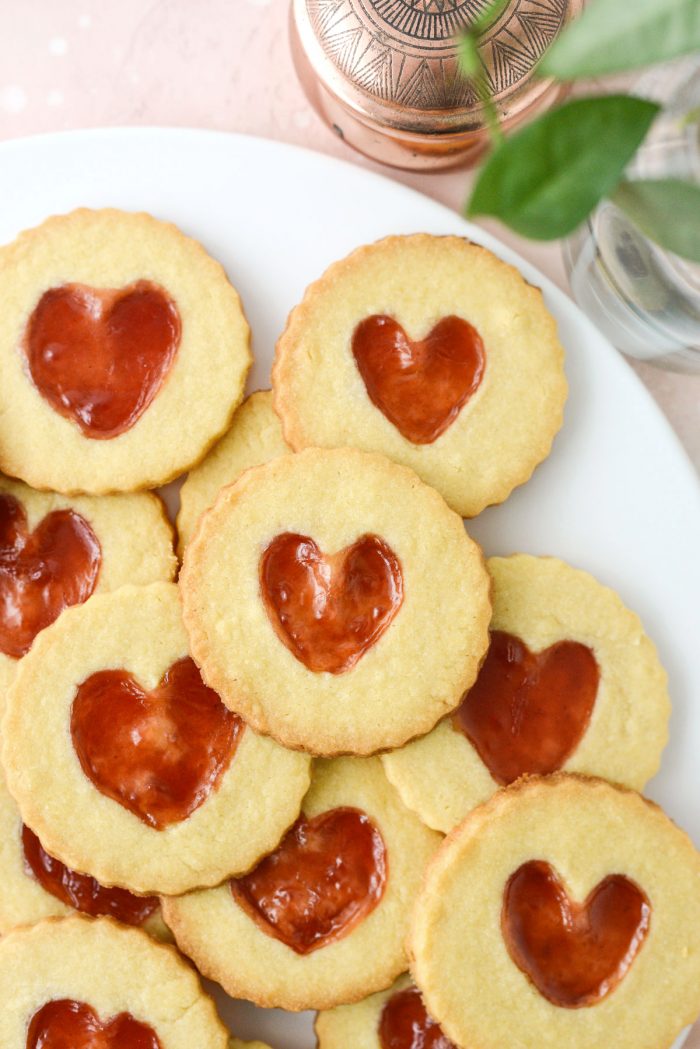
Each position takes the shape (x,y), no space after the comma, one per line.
(392,65)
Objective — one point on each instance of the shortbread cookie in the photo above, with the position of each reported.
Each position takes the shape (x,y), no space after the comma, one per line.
(36,885)
(563,912)
(255,437)
(123,352)
(336,602)
(323,919)
(108,717)
(236,1043)
(571,682)
(56,551)
(393,1019)
(432,351)
(78,982)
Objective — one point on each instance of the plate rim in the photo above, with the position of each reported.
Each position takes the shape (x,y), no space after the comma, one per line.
(490,240)
(558,299)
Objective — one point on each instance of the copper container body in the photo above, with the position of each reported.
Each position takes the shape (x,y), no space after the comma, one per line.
(384,73)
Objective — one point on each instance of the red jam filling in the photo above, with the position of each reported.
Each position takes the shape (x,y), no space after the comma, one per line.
(99,356)
(527,712)
(574,953)
(405,1024)
(65,1024)
(328,875)
(161,753)
(328,610)
(80,891)
(420,387)
(41,572)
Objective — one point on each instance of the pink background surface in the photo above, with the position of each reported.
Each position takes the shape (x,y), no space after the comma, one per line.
(221,64)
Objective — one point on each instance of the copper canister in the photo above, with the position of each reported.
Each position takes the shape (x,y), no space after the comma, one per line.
(384,73)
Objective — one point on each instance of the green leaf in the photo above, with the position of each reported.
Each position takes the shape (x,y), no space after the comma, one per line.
(545,179)
(468,48)
(666,210)
(469,61)
(471,66)
(614,35)
(488,15)
(691,117)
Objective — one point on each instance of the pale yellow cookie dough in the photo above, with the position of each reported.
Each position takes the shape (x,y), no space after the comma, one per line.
(228,946)
(542,600)
(110,968)
(356,1025)
(113,249)
(134,534)
(23,900)
(140,630)
(255,437)
(411,676)
(586,829)
(503,431)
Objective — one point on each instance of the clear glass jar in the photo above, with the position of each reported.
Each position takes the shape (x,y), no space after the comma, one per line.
(645,299)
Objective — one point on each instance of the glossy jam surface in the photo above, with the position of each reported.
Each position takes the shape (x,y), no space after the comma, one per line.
(65,1024)
(99,356)
(80,891)
(420,387)
(574,953)
(41,572)
(328,874)
(405,1024)
(527,712)
(328,610)
(160,754)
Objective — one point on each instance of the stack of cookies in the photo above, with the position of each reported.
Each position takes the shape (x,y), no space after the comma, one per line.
(344,763)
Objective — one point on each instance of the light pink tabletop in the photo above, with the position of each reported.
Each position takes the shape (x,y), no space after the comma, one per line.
(221,64)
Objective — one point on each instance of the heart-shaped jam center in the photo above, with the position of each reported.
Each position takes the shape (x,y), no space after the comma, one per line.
(405,1024)
(527,711)
(160,754)
(574,953)
(99,356)
(328,610)
(41,572)
(80,891)
(66,1024)
(420,387)
(327,876)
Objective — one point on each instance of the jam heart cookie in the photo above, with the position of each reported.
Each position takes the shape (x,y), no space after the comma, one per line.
(570,681)
(123,352)
(432,351)
(255,437)
(57,551)
(93,984)
(322,919)
(309,593)
(108,717)
(563,911)
(37,885)
(392,1019)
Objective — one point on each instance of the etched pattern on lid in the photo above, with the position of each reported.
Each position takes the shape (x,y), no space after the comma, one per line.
(404,52)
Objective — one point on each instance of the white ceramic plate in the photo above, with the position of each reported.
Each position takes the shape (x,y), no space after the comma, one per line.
(617,496)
